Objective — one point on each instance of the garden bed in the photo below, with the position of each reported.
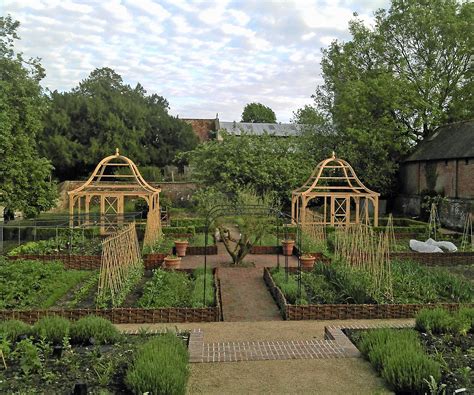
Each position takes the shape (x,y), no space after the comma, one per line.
(333,311)
(77,262)
(76,299)
(446,258)
(436,353)
(90,356)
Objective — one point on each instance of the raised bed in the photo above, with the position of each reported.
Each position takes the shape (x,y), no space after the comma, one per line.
(347,311)
(76,262)
(447,258)
(128,315)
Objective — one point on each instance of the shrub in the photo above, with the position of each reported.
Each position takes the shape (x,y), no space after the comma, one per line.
(160,367)
(399,356)
(13,329)
(53,329)
(466,314)
(433,320)
(289,288)
(97,328)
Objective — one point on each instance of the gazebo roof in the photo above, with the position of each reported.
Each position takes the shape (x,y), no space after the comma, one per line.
(333,176)
(106,179)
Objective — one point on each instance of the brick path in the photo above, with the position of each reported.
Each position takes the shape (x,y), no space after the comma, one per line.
(245,296)
(270,350)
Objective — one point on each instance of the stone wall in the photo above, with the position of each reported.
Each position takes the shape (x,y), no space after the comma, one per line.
(203,128)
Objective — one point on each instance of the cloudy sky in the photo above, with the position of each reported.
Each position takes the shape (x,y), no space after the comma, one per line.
(203,57)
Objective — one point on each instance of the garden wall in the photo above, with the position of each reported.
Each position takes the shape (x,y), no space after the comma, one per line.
(347,311)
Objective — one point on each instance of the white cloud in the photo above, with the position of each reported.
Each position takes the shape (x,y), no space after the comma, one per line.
(202,58)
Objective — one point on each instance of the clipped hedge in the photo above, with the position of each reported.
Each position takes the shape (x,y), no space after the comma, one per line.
(179,230)
(53,328)
(92,329)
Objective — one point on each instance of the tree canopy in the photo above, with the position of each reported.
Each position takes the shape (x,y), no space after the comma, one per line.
(258,113)
(102,113)
(390,86)
(264,163)
(24,176)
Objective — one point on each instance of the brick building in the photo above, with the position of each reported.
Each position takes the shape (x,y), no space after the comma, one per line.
(444,163)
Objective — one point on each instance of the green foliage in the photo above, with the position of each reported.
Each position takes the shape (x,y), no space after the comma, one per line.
(262,162)
(53,328)
(29,357)
(258,113)
(13,329)
(160,367)
(441,321)
(86,124)
(92,327)
(162,246)
(389,86)
(104,300)
(24,175)
(400,358)
(85,289)
(28,284)
(309,245)
(183,222)
(71,241)
(318,289)
(290,287)
(198,289)
(166,289)
(176,230)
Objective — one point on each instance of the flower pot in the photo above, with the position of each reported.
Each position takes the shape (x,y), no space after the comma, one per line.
(307,261)
(288,247)
(181,247)
(172,262)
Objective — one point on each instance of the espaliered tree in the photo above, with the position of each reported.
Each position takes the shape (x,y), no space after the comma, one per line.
(389,86)
(24,175)
(101,113)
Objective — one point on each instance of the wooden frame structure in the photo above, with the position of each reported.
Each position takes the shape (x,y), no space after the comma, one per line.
(336,183)
(114,178)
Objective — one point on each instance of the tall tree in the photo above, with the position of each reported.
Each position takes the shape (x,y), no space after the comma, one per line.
(264,163)
(258,113)
(24,176)
(388,87)
(102,113)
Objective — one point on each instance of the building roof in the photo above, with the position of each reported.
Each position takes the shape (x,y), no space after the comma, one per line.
(452,141)
(276,129)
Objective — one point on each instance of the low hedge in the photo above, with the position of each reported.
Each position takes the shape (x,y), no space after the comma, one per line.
(441,321)
(54,329)
(159,367)
(178,230)
(96,330)
(399,357)
(184,222)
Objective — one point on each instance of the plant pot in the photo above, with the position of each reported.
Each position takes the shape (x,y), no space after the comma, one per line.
(181,247)
(172,263)
(288,247)
(307,261)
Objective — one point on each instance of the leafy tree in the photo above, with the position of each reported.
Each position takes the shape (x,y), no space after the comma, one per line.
(258,113)
(390,86)
(102,113)
(24,175)
(264,163)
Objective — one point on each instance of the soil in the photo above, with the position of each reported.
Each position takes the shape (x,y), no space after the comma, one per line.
(85,364)
(456,354)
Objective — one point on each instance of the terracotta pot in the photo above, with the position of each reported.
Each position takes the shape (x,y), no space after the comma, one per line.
(181,247)
(172,263)
(288,247)
(307,261)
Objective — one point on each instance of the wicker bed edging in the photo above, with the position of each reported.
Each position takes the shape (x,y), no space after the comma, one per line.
(348,311)
(129,315)
(446,258)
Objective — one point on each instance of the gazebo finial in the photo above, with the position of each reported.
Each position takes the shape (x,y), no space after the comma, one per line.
(117,153)
(333,155)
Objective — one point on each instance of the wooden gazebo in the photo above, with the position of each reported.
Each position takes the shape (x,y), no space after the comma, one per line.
(114,178)
(339,190)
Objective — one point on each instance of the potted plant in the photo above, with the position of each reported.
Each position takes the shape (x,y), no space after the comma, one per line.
(307,260)
(288,245)
(181,246)
(172,261)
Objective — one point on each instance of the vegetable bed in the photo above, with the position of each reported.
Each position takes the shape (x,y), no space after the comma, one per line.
(336,291)
(59,356)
